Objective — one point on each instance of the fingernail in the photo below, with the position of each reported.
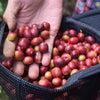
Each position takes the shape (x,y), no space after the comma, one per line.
(46,59)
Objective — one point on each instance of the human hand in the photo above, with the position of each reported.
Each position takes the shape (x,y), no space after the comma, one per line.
(22,12)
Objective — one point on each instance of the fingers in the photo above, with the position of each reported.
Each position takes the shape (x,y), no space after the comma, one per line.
(11,12)
(47,56)
(9,48)
(10,18)
(19,68)
(33,72)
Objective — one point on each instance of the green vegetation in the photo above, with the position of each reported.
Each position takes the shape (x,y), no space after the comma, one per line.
(3,95)
(3,4)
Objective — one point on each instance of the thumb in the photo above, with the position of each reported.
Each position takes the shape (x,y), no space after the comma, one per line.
(47,56)
(11,12)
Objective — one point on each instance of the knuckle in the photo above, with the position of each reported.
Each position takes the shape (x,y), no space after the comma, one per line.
(53,32)
(4,16)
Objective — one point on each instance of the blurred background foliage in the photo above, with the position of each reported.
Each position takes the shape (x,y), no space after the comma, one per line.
(3,95)
(3,4)
(67,10)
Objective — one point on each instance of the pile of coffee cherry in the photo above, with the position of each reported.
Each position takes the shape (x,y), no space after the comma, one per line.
(72,52)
